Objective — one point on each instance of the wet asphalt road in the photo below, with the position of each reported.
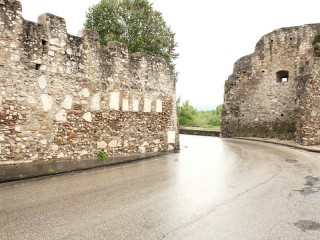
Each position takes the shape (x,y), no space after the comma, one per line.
(213,189)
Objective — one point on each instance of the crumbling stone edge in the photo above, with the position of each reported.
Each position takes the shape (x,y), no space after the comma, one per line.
(11,173)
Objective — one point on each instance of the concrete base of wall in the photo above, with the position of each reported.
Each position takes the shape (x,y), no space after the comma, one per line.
(213,133)
(9,173)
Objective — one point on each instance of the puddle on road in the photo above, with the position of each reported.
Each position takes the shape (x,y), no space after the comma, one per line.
(311,181)
(291,161)
(307,225)
(309,190)
(314,186)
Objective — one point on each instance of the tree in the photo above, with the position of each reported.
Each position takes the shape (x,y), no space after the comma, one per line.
(186,114)
(190,116)
(216,120)
(135,23)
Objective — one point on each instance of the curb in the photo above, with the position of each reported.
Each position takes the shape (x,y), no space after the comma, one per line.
(18,172)
(280,143)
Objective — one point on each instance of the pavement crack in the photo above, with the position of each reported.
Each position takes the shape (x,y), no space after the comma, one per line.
(254,187)
(215,208)
(163,236)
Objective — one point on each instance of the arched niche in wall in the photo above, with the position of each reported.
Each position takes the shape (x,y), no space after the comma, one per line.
(282,76)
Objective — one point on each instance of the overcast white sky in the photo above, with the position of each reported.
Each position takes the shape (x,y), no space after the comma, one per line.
(211,35)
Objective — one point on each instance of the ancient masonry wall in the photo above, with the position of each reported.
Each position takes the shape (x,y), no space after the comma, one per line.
(67,97)
(274,92)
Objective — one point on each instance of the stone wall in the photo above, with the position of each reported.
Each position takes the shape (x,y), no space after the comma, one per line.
(267,94)
(67,97)
(308,112)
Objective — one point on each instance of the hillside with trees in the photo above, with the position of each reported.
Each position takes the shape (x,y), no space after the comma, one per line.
(189,116)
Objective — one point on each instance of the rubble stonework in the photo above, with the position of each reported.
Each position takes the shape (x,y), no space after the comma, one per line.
(275,92)
(67,97)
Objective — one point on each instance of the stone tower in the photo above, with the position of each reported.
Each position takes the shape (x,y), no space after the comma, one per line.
(275,92)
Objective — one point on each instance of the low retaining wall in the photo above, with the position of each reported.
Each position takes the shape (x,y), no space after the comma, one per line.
(213,133)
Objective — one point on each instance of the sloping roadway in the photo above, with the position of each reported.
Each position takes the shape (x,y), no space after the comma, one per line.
(213,189)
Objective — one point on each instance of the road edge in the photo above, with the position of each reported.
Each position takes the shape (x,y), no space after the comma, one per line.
(18,172)
(315,149)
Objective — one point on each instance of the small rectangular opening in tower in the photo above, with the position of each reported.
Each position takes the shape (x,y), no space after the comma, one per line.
(282,76)
(38,66)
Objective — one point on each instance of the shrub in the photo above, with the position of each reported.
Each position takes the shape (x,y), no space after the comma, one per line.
(101,155)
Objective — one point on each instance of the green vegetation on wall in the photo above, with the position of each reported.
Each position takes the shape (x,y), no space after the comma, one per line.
(316,41)
(189,116)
